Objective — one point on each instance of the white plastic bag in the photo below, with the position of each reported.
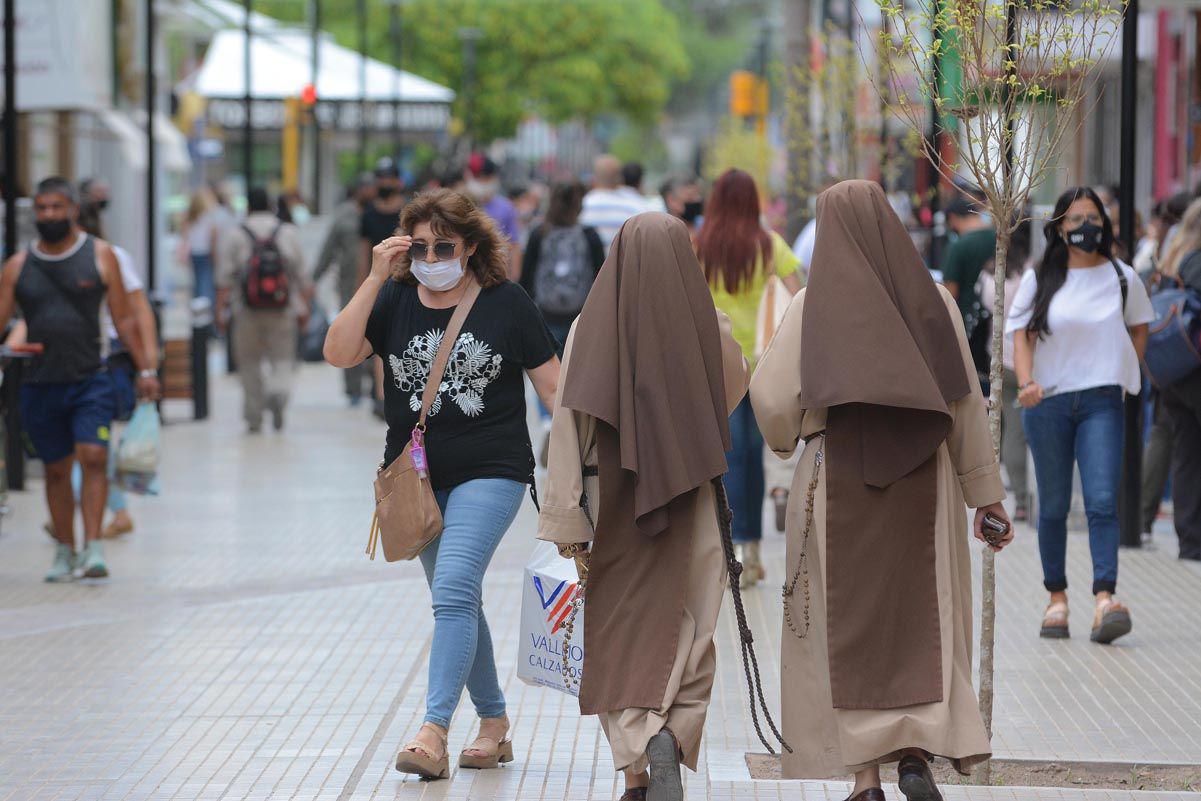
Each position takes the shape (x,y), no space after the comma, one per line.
(139,448)
(550,587)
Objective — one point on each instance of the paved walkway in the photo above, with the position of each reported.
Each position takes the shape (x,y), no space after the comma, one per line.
(246,649)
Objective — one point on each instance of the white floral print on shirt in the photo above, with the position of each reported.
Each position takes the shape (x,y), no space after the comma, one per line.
(471,368)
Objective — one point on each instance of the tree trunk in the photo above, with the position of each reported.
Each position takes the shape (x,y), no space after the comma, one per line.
(988,577)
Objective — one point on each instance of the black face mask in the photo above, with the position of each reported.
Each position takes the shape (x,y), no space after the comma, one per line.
(53,231)
(692,210)
(1086,237)
(385,192)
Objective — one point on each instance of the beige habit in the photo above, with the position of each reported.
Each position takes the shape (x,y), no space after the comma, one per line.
(829,742)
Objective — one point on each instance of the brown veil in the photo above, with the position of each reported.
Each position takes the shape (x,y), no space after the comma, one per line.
(646,363)
(880,351)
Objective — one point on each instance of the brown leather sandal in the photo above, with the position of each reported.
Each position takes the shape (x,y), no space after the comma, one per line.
(415,758)
(1055,622)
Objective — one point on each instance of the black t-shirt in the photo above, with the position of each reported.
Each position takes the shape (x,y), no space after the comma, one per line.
(476,427)
(376,225)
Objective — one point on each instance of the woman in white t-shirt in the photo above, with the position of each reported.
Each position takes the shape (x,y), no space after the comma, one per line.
(1079,327)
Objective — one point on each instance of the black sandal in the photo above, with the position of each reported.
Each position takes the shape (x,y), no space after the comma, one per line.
(915,780)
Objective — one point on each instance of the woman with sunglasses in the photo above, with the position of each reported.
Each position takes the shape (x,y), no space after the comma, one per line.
(1079,328)
(477,443)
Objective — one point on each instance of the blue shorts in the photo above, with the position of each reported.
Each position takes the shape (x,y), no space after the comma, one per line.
(57,417)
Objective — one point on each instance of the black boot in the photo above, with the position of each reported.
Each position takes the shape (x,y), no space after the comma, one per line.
(916,781)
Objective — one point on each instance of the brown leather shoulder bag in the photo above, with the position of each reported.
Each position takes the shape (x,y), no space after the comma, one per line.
(407,517)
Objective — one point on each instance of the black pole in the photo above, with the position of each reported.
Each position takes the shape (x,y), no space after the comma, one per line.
(10,128)
(247,100)
(315,125)
(395,30)
(1132,451)
(362,11)
(151,155)
(469,37)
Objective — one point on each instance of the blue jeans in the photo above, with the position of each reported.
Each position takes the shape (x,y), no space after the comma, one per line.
(745,483)
(1084,428)
(203,283)
(476,514)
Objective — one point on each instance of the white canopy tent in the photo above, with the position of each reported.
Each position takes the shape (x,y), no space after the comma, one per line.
(281,63)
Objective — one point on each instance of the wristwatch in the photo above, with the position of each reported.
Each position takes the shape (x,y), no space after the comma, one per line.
(573,549)
(148,374)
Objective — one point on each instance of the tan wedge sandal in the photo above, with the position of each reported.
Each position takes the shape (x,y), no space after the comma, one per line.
(415,758)
(1055,622)
(495,753)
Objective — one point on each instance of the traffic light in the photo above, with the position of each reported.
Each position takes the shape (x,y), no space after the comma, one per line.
(308,95)
(743,93)
(748,94)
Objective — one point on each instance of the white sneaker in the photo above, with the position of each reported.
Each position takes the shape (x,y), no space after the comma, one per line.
(63,569)
(93,560)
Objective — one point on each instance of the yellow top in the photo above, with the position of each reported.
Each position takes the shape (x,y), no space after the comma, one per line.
(743,307)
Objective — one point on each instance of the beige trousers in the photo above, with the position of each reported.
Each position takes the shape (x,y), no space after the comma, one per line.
(265,347)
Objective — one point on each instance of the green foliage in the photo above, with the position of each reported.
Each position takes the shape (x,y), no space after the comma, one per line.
(736,146)
(717,38)
(555,59)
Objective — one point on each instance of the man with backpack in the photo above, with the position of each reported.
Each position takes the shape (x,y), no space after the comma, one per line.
(263,285)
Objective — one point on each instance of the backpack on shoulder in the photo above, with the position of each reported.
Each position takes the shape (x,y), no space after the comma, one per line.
(1174,339)
(265,282)
(565,273)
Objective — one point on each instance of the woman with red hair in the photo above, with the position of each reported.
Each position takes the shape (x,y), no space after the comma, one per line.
(739,254)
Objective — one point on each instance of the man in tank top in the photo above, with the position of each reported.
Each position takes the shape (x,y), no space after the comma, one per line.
(61,284)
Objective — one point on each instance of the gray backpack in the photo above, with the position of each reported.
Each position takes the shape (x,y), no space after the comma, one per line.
(565,273)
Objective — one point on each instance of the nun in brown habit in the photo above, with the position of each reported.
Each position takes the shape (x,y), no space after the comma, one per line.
(870,375)
(651,376)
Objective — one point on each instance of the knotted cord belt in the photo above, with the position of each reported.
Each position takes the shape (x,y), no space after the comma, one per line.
(750,662)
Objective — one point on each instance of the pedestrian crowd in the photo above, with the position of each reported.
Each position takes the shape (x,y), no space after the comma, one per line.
(692,368)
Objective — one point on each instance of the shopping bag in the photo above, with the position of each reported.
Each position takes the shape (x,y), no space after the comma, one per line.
(139,448)
(550,587)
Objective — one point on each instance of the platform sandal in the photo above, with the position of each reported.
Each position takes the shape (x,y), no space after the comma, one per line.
(415,758)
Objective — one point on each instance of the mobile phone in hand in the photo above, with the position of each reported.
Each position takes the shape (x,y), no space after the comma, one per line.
(994,529)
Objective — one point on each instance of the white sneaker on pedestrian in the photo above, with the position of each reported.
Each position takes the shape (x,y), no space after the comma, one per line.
(63,569)
(93,560)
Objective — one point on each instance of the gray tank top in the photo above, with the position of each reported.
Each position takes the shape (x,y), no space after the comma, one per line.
(61,299)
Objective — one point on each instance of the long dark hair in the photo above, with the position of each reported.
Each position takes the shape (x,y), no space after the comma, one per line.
(1052,270)
(566,200)
(732,238)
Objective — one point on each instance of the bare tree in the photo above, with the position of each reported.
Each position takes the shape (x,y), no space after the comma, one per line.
(1025,67)
(820,117)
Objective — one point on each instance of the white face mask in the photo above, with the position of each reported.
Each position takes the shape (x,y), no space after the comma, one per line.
(439,276)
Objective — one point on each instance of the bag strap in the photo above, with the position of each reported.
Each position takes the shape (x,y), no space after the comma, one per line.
(438,368)
(1125,284)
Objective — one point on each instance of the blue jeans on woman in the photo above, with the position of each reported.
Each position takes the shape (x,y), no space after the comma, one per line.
(1084,428)
(745,482)
(203,280)
(476,514)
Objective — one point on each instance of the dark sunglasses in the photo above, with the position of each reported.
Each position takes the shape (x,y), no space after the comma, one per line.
(443,251)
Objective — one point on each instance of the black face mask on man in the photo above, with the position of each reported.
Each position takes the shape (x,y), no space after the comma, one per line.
(692,211)
(385,191)
(1086,237)
(53,231)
